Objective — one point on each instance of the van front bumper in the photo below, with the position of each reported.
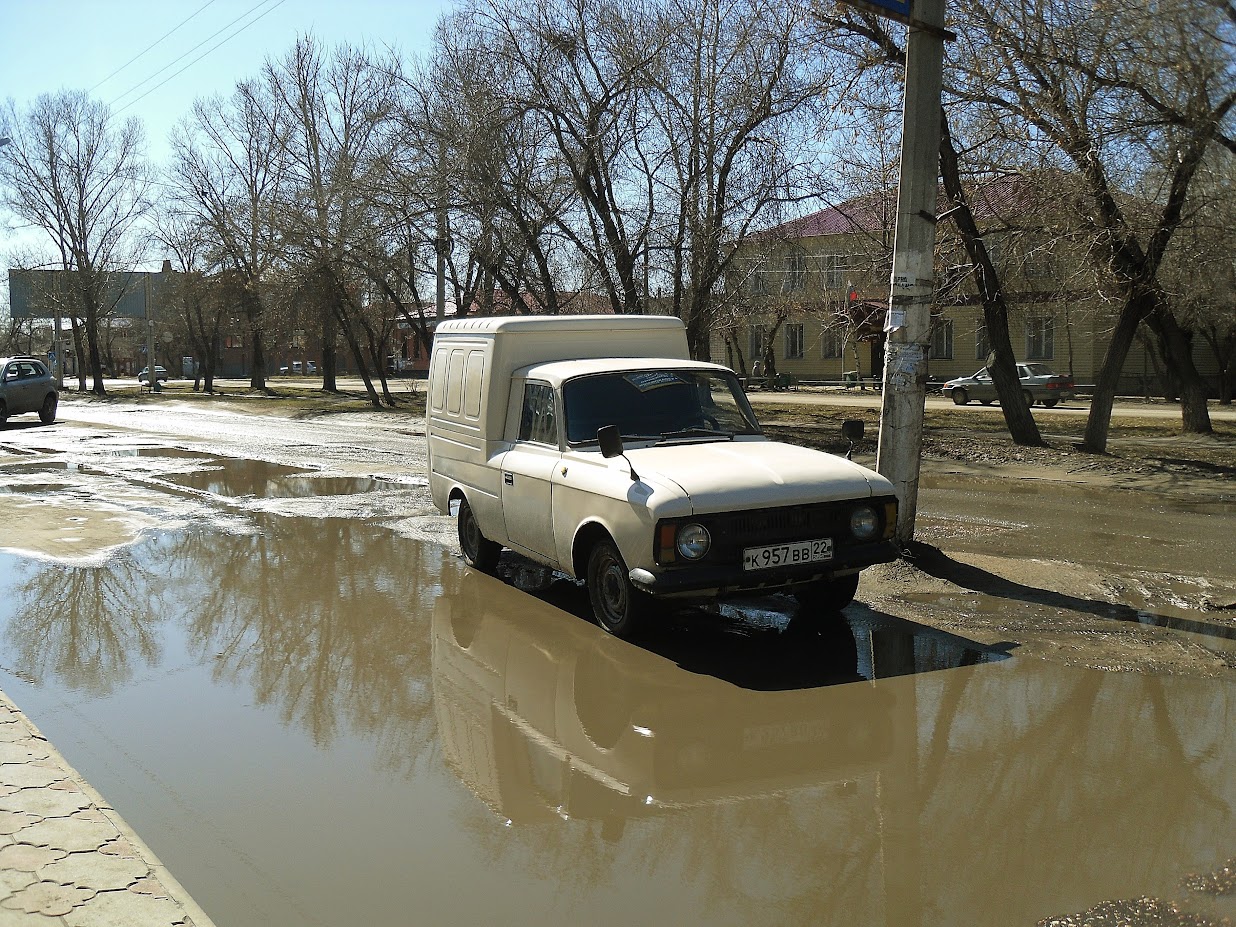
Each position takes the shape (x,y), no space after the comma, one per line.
(718,581)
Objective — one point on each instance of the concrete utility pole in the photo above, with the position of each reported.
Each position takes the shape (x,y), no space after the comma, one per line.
(440,240)
(152,379)
(913,280)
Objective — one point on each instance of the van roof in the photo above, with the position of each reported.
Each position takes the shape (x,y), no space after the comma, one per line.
(555,372)
(516,323)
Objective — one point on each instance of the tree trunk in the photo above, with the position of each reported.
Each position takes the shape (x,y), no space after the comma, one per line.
(1017,416)
(92,343)
(257,376)
(329,358)
(78,353)
(1177,345)
(1099,422)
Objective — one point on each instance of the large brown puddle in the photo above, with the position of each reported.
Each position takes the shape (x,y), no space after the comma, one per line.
(320,723)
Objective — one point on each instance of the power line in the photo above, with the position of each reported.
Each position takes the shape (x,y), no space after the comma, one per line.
(149,47)
(248,12)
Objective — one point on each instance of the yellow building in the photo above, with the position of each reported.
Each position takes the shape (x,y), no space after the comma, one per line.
(810,295)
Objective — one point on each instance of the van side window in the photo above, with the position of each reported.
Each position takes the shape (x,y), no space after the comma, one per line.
(538,422)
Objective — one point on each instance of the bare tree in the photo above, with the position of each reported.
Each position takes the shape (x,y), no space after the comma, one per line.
(577,64)
(506,188)
(879,52)
(190,293)
(1130,98)
(343,116)
(729,137)
(76,173)
(227,170)
(1200,273)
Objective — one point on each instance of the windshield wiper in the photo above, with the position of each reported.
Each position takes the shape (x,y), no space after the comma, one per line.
(698,433)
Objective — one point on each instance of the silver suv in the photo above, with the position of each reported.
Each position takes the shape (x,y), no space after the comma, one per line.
(26,385)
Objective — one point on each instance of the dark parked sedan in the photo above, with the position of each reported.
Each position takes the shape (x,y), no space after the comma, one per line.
(1038,384)
(26,385)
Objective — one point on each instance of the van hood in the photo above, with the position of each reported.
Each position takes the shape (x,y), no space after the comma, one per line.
(725,475)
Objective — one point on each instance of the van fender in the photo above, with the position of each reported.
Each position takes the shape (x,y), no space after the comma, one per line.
(634,543)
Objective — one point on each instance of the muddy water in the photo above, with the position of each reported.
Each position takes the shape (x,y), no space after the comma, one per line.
(1097,526)
(315,722)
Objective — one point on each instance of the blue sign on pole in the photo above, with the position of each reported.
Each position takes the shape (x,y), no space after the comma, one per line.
(900,7)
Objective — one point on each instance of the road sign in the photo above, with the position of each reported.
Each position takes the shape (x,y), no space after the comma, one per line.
(897,9)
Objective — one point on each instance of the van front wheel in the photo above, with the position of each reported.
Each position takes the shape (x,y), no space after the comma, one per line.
(478,550)
(618,606)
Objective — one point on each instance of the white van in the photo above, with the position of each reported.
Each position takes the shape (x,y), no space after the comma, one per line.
(596,446)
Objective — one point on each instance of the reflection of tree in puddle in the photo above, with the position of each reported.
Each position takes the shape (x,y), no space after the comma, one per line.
(322,619)
(90,627)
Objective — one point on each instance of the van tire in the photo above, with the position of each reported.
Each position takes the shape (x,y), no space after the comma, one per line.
(47,414)
(617,605)
(478,550)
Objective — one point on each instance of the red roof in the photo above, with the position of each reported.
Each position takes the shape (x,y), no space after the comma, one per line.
(993,198)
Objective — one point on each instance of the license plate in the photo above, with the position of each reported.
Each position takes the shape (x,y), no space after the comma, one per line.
(762,558)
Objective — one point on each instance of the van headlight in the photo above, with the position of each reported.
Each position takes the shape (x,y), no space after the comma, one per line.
(693,541)
(864,523)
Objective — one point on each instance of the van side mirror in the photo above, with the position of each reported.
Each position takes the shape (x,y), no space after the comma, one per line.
(610,440)
(852,430)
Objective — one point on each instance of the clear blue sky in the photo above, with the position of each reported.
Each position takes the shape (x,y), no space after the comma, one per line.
(48,45)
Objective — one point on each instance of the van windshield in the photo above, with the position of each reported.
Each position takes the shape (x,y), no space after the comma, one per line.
(658,404)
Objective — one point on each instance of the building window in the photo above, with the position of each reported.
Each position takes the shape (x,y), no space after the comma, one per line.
(941,340)
(1040,338)
(759,339)
(982,347)
(793,340)
(832,343)
(757,282)
(1040,264)
(836,269)
(795,271)
(996,246)
(233,341)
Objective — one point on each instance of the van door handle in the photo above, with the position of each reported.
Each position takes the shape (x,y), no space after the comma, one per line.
(509,479)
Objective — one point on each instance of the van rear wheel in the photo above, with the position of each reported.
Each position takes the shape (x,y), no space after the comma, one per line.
(47,414)
(478,550)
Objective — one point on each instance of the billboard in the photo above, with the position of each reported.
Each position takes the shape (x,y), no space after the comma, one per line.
(43,294)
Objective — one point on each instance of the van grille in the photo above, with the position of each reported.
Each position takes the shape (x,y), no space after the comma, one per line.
(732,532)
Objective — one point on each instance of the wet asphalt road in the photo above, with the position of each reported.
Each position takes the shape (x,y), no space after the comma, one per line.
(255,639)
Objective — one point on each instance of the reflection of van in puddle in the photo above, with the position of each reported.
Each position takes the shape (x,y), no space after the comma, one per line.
(541,714)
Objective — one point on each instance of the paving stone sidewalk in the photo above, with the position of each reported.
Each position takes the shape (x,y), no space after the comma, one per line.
(67,859)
